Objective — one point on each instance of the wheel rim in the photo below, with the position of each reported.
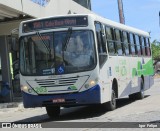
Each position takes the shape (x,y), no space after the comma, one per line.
(113,101)
(142,88)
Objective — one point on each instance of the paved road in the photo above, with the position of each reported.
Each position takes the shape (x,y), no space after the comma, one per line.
(146,110)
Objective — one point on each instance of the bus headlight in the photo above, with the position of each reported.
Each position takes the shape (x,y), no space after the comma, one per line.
(24,88)
(90,84)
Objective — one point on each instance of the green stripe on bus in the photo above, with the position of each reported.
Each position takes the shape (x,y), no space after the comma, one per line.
(143,69)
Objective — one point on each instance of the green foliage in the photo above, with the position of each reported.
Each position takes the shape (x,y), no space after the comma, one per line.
(156,50)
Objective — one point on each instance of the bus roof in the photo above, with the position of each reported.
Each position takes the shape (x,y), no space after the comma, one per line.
(103,20)
(120,26)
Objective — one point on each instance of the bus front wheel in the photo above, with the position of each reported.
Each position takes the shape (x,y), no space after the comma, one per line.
(111,105)
(53,111)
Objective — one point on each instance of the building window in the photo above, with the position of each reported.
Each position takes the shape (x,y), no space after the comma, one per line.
(41,2)
(84,3)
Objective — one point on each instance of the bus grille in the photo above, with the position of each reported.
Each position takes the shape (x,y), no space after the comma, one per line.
(57,82)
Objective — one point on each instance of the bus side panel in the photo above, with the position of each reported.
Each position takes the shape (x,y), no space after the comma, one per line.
(148,73)
(124,79)
(105,84)
(107,74)
(146,82)
(141,67)
(151,80)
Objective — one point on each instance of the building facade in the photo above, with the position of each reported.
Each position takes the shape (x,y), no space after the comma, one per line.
(12,12)
(84,3)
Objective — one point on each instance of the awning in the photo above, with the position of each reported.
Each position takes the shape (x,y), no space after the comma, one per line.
(9,14)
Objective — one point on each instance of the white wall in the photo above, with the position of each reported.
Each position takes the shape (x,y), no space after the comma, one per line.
(54,7)
(59,7)
(25,7)
(15,4)
(33,9)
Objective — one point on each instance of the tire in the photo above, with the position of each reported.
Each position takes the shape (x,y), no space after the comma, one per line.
(53,111)
(111,105)
(140,95)
(132,97)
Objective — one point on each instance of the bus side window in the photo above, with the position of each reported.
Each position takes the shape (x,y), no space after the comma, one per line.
(101,45)
(110,42)
(126,43)
(133,50)
(148,50)
(137,40)
(143,46)
(118,42)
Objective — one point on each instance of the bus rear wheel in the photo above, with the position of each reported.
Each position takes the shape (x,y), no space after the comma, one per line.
(53,111)
(138,95)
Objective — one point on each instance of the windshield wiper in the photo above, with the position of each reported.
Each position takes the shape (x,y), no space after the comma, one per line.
(65,42)
(44,43)
(67,38)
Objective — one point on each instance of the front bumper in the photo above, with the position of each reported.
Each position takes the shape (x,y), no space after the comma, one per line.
(91,96)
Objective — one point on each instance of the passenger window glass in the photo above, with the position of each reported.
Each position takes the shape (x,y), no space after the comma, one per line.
(111,48)
(148,51)
(99,39)
(138,45)
(109,33)
(131,39)
(118,36)
(143,46)
(132,44)
(126,43)
(101,47)
(118,42)
(110,42)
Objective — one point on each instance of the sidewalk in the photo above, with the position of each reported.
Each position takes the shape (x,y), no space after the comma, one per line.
(17,103)
(11,105)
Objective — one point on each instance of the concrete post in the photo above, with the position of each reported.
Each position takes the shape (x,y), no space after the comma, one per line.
(5,64)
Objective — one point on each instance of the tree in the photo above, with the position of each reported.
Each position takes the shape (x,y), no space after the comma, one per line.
(155,51)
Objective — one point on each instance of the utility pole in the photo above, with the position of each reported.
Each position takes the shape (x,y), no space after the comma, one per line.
(159,18)
(121,13)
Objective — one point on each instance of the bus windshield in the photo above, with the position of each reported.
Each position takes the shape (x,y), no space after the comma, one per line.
(48,53)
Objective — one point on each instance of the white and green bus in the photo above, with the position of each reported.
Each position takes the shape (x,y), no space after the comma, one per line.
(76,60)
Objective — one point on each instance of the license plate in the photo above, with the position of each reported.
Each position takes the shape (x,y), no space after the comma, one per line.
(59,100)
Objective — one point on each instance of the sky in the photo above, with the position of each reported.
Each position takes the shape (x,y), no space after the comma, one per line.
(141,14)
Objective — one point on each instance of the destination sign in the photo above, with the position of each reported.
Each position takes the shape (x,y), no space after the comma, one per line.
(54,23)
